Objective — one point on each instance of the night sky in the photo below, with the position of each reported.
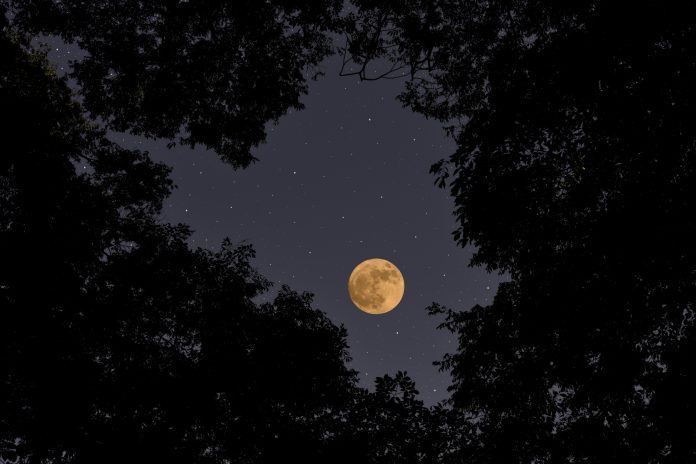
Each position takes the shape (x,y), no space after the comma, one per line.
(341,181)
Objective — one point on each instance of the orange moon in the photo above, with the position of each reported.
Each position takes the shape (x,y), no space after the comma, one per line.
(376,286)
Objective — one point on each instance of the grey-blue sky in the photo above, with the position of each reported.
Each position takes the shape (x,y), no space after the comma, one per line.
(343,180)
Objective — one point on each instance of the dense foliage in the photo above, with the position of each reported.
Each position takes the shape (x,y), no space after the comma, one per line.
(118,340)
(212,73)
(575,174)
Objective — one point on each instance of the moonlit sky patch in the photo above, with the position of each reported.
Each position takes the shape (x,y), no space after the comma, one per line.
(344,180)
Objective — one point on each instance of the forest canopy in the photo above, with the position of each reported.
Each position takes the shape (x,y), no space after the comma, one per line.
(574,173)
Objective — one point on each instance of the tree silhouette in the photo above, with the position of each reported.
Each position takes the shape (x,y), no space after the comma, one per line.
(203,72)
(391,425)
(574,174)
(120,342)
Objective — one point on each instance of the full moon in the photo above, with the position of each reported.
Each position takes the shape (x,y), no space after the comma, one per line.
(376,286)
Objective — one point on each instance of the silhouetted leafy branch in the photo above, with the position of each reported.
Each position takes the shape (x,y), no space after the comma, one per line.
(205,73)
